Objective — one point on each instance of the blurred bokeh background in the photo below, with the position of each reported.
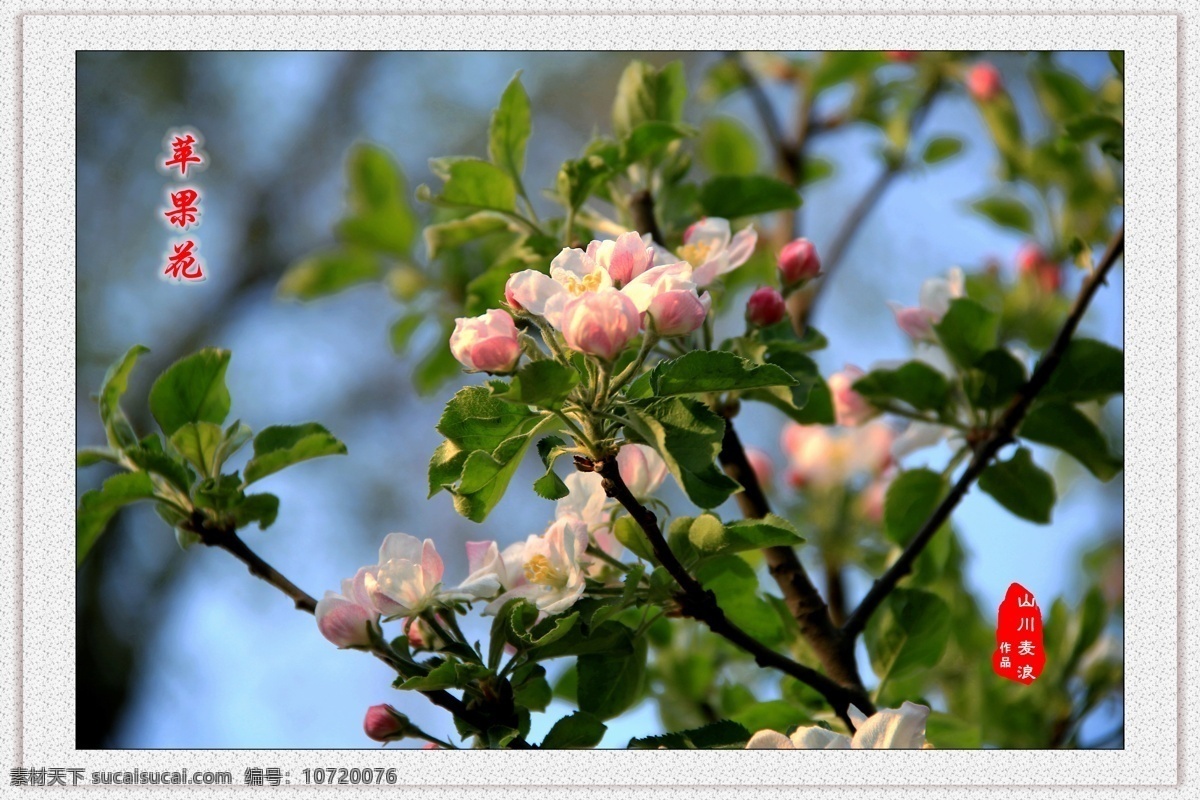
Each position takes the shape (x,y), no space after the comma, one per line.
(186,650)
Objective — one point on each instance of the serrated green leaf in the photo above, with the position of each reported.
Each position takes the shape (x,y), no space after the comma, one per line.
(475,184)
(723,734)
(703,371)
(908,633)
(1007,212)
(688,436)
(88,456)
(732,196)
(611,682)
(98,506)
(645,93)
(511,125)
(260,508)
(967,331)
(545,384)
(191,390)
(156,461)
(1021,486)
(914,383)
(445,236)
(910,501)
(198,442)
(1065,427)
(649,139)
(579,730)
(330,272)
(281,446)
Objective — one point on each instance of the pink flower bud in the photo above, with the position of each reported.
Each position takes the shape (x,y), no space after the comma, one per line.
(511,298)
(850,407)
(984,82)
(1029,257)
(765,307)
(487,343)
(600,323)
(764,468)
(798,261)
(678,312)
(385,724)
(1033,262)
(642,469)
(915,321)
(346,619)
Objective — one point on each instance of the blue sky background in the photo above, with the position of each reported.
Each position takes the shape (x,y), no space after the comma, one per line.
(227,662)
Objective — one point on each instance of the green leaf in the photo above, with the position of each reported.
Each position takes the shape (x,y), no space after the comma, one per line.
(611,682)
(281,446)
(89,456)
(910,501)
(711,537)
(908,634)
(995,378)
(630,534)
(1061,425)
(736,587)
(702,371)
(1007,212)
(260,508)
(1117,57)
(447,675)
(687,434)
(116,382)
(550,486)
(945,732)
(726,147)
(402,331)
(649,139)
(733,196)
(198,442)
(98,506)
(486,439)
(579,730)
(941,148)
(453,234)
(511,125)
(774,715)
(1063,95)
(967,331)
(530,687)
(528,631)
(914,383)
(158,462)
(1089,370)
(476,184)
(1021,486)
(545,384)
(837,66)
(645,93)
(815,169)
(578,178)
(380,218)
(329,272)
(191,390)
(607,637)
(809,401)
(723,734)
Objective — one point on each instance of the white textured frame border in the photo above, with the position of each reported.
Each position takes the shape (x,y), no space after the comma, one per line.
(46,496)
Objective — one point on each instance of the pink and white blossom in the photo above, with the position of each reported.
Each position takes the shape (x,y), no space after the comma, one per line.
(712,251)
(407,580)
(600,323)
(624,258)
(573,273)
(553,568)
(888,729)
(487,343)
(850,407)
(668,295)
(642,469)
(347,619)
(933,302)
(588,503)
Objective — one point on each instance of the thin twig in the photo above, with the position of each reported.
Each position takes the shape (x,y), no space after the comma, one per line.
(701,604)
(1001,435)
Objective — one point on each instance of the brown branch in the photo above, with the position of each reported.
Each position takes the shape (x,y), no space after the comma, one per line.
(802,598)
(701,604)
(642,207)
(1001,435)
(228,540)
(787,154)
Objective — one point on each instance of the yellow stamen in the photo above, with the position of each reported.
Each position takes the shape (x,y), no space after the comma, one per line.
(697,252)
(539,570)
(590,283)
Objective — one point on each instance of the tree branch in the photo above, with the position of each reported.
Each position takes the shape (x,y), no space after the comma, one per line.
(228,540)
(801,596)
(701,604)
(1001,435)
(787,154)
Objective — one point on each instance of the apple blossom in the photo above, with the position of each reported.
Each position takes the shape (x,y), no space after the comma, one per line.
(712,252)
(850,407)
(933,303)
(487,573)
(624,258)
(798,261)
(642,469)
(346,619)
(408,577)
(668,294)
(825,456)
(888,729)
(984,81)
(765,307)
(572,273)
(487,343)
(588,503)
(600,323)
(385,724)
(1033,262)
(554,575)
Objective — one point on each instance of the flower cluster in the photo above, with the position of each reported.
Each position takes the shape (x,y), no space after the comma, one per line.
(548,569)
(601,298)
